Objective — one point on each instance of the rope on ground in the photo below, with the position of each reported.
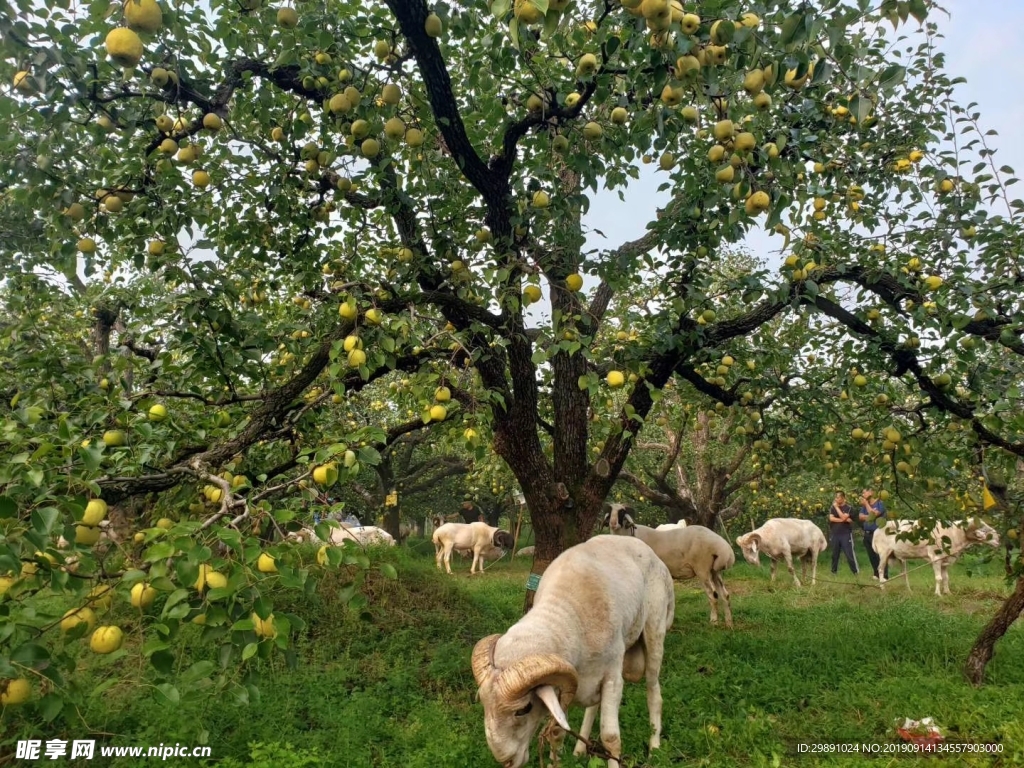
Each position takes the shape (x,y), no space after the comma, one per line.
(594,749)
(486,567)
(869,585)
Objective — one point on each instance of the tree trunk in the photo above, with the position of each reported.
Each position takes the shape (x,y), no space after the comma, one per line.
(393,521)
(557,526)
(984,646)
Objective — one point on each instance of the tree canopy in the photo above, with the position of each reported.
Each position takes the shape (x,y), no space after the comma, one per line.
(222,221)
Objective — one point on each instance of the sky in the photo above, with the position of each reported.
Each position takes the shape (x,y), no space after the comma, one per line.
(981,44)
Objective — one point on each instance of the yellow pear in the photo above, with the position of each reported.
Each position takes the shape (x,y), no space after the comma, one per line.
(143,15)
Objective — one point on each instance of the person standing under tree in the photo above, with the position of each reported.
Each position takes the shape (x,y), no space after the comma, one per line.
(872,511)
(841,527)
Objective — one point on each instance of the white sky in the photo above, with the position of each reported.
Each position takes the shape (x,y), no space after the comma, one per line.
(981,44)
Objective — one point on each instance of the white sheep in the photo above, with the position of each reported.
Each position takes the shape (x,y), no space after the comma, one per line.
(783,539)
(483,540)
(599,616)
(670,526)
(942,546)
(363,535)
(690,552)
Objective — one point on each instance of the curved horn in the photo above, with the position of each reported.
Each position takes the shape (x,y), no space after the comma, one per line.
(483,658)
(517,681)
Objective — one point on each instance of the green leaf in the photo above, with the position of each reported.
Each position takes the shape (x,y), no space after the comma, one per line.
(793,29)
(162,661)
(919,10)
(44,519)
(249,651)
(29,655)
(500,8)
(50,706)
(8,507)
(170,693)
(892,76)
(389,570)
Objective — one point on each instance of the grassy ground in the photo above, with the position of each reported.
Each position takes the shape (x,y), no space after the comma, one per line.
(833,663)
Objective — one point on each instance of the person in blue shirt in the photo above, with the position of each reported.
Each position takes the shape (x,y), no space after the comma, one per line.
(872,514)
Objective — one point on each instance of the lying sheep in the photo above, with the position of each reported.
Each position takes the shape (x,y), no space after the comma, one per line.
(942,546)
(599,617)
(483,540)
(690,552)
(340,532)
(782,539)
(526,551)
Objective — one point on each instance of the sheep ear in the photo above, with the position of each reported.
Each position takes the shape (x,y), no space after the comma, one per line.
(547,694)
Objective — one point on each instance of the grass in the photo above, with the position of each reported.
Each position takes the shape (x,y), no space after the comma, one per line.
(834,663)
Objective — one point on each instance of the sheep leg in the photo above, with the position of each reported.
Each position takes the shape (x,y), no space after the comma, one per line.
(448,556)
(588,724)
(772,561)
(472,566)
(709,590)
(654,654)
(814,555)
(789,565)
(945,577)
(723,595)
(937,566)
(906,575)
(438,555)
(611,698)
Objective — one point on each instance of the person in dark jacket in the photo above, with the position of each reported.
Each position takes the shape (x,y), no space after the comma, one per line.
(872,514)
(840,520)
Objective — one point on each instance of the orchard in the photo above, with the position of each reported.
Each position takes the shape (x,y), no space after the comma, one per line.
(257,254)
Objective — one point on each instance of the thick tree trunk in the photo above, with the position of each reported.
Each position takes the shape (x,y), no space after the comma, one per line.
(984,646)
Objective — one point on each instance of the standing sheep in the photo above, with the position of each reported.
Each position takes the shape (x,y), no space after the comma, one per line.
(483,540)
(781,539)
(599,617)
(942,546)
(690,552)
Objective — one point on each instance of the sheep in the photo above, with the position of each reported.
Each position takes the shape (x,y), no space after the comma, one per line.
(526,551)
(363,535)
(670,526)
(942,547)
(483,540)
(782,538)
(690,552)
(599,617)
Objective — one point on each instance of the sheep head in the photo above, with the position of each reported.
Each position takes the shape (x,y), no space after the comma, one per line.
(512,698)
(750,545)
(502,540)
(978,531)
(618,518)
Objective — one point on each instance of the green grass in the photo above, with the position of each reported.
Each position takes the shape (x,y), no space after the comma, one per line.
(836,663)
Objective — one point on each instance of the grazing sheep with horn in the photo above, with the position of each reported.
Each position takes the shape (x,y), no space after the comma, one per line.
(599,617)
(784,538)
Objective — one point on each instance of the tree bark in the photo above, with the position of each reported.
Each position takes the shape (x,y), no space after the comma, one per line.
(984,646)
